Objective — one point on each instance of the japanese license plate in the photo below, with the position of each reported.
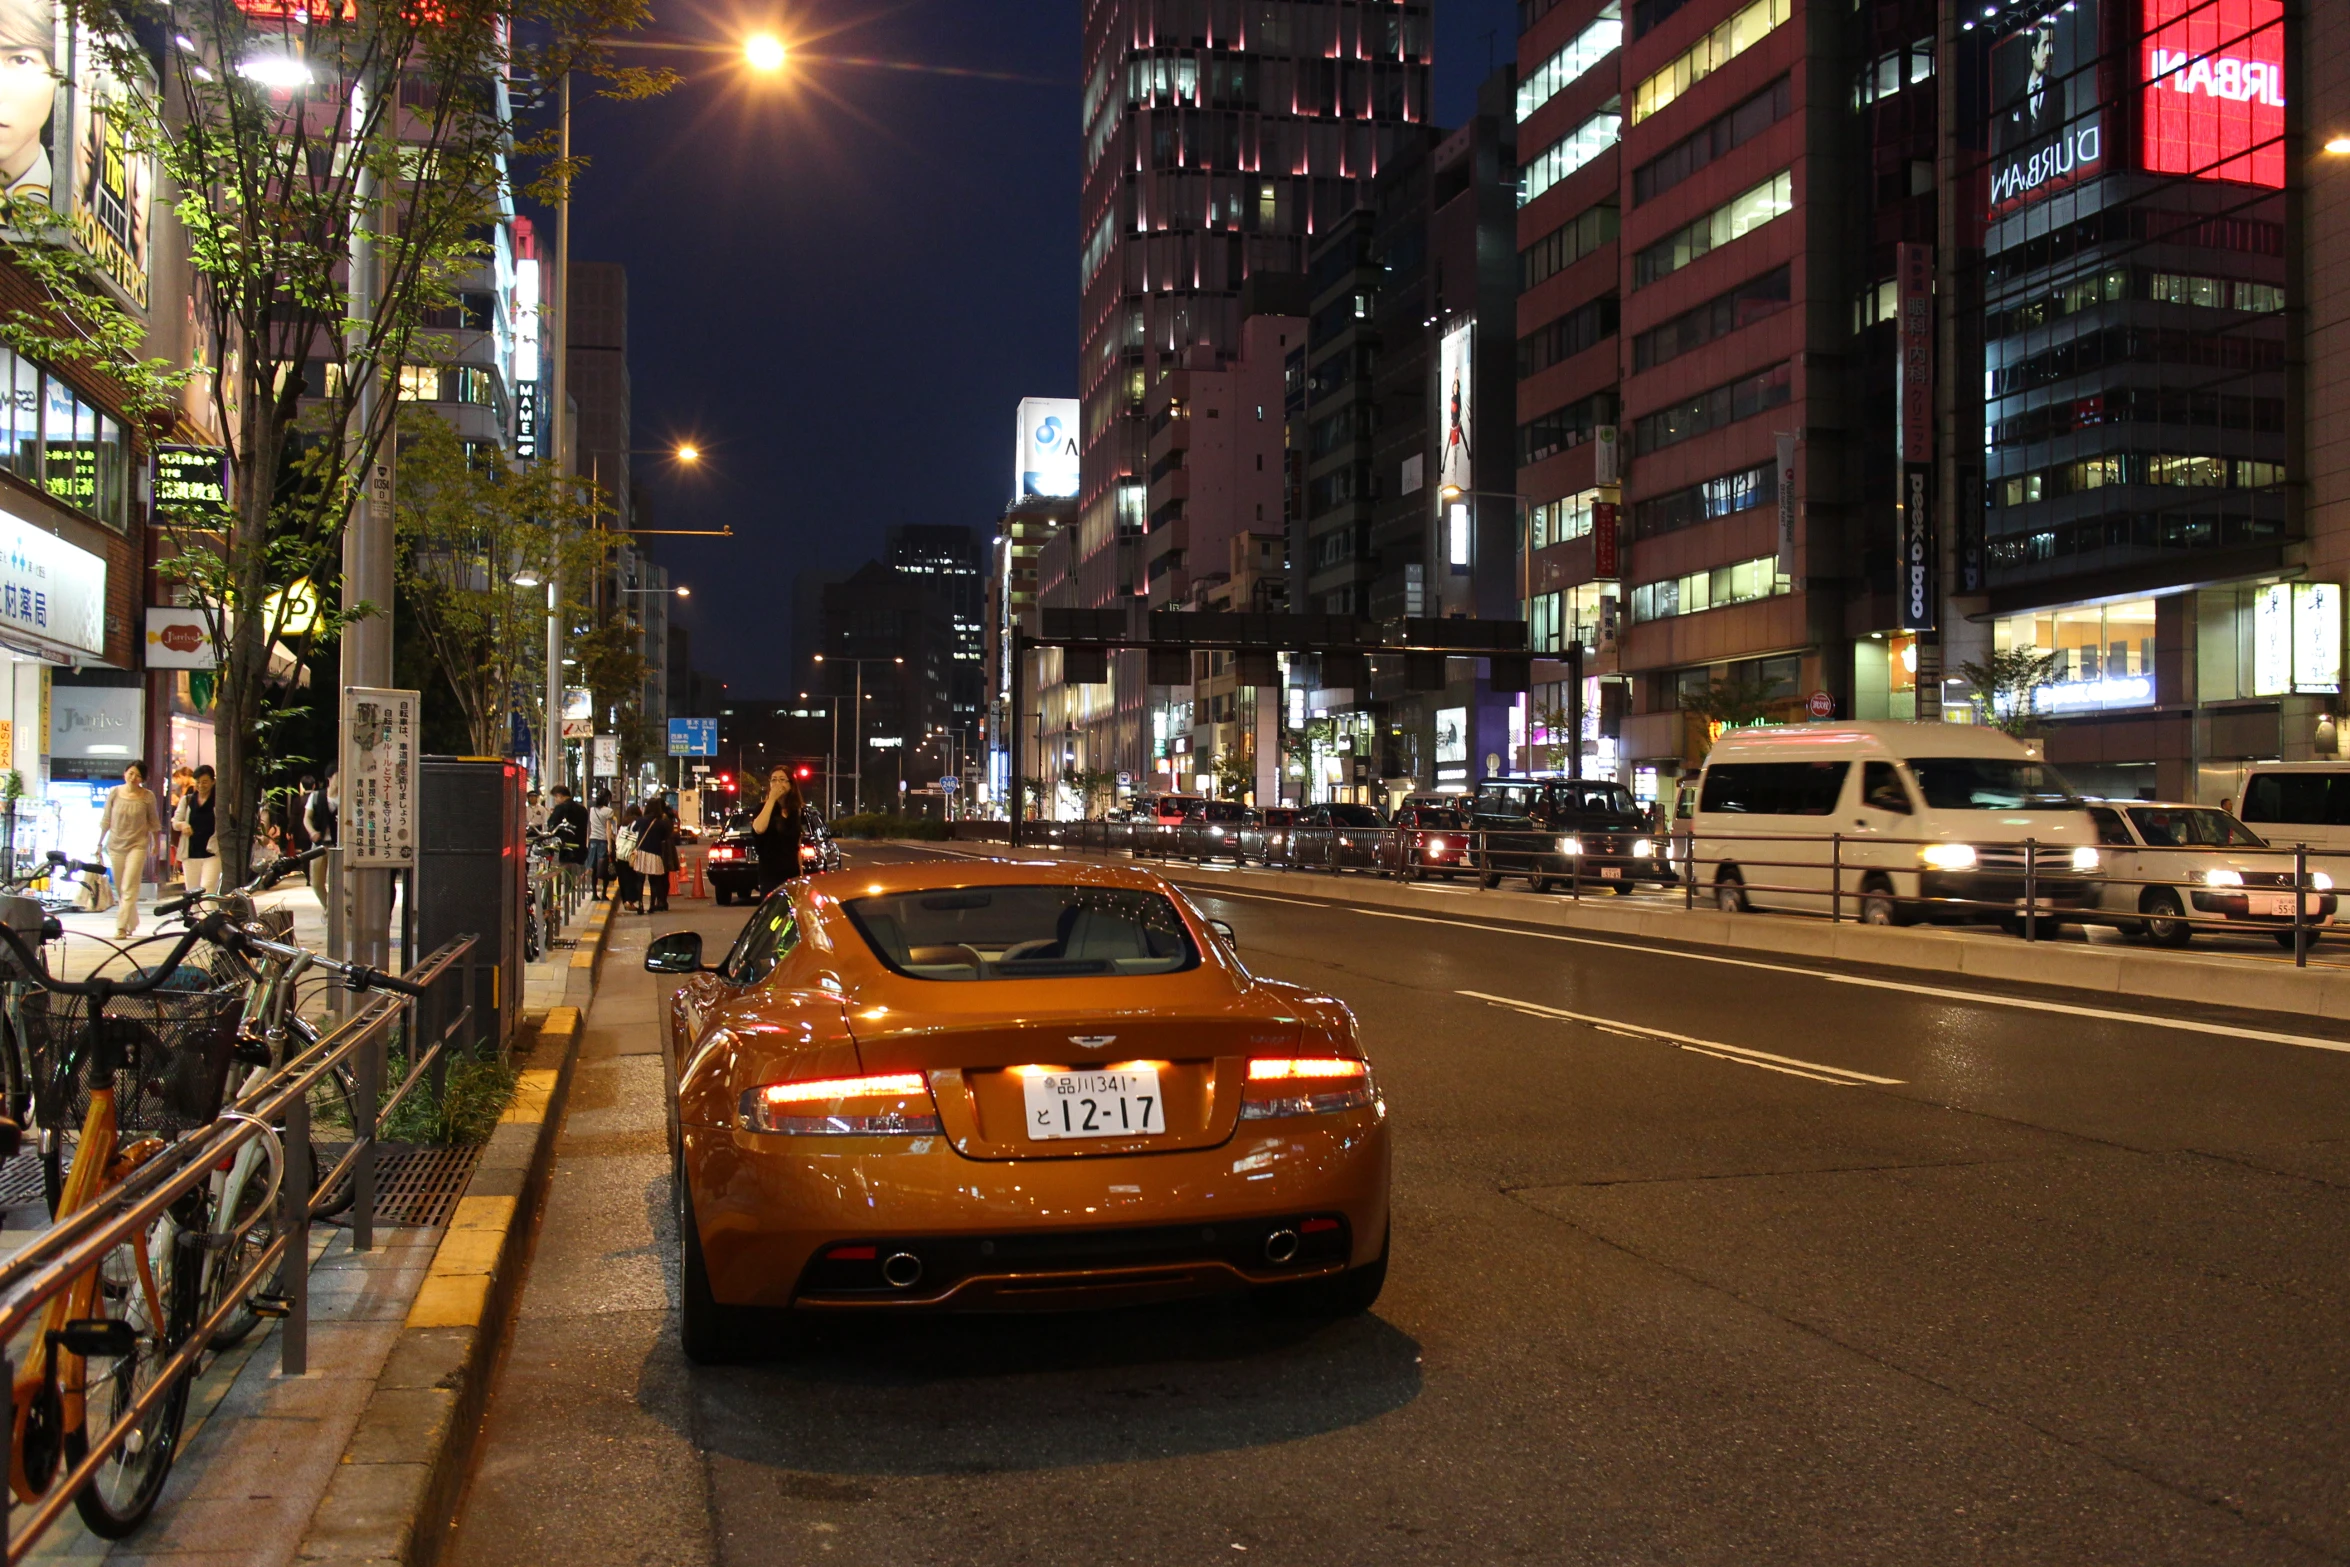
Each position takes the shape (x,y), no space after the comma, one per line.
(1123,1103)
(1611,873)
(2279,904)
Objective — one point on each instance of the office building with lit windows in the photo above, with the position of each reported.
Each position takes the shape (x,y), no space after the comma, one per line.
(1219,140)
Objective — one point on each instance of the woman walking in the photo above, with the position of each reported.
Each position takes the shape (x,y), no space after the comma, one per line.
(599,843)
(655,842)
(777,831)
(624,839)
(128,830)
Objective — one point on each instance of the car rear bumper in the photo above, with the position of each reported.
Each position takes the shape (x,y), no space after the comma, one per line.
(1063,1230)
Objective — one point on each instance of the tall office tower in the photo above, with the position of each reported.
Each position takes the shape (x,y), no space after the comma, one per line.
(1220,139)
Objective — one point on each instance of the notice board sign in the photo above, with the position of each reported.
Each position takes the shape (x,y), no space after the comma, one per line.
(378,821)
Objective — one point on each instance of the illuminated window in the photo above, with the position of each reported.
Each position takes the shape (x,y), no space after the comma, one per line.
(1563,69)
(1742,214)
(420,383)
(1747,26)
(2101,655)
(1569,153)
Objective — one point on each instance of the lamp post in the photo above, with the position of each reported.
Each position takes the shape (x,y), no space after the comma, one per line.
(857,741)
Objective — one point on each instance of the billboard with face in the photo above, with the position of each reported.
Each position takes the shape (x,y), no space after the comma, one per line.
(2213,73)
(1456,400)
(65,140)
(1046,463)
(2047,114)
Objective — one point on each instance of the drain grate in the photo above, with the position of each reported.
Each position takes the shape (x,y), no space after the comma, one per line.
(20,1182)
(418,1187)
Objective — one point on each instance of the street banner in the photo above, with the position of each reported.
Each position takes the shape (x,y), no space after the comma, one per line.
(607,762)
(378,822)
(1786,440)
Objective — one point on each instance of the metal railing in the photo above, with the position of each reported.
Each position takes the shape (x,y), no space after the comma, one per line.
(48,1266)
(2030,885)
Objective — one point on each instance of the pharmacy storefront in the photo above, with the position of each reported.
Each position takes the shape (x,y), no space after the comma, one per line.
(52,617)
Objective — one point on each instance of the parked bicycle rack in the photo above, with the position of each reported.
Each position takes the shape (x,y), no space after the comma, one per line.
(48,1266)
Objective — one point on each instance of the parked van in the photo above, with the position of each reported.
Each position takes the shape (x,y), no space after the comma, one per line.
(1911,813)
(2291,803)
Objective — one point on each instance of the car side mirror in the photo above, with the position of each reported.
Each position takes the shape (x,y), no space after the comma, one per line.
(679,952)
(1225,930)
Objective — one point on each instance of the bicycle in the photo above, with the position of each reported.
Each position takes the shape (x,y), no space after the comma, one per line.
(155,1072)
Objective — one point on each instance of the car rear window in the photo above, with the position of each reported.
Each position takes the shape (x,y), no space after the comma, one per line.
(2186,827)
(1024,932)
(2298,799)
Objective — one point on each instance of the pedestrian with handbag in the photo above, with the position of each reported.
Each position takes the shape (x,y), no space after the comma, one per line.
(656,844)
(128,830)
(624,839)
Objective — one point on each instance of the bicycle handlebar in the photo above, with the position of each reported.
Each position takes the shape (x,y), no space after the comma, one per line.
(355,976)
(275,872)
(100,988)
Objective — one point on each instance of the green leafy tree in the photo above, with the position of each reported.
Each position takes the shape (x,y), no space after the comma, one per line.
(1558,726)
(468,525)
(1091,787)
(295,142)
(2006,687)
(1737,702)
(1235,772)
(612,667)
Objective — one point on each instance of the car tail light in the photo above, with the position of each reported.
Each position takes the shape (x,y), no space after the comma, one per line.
(1304,1085)
(895,1104)
(1436,846)
(722,852)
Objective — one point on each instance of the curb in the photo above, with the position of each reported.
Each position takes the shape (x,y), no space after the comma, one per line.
(395,1493)
(2132,973)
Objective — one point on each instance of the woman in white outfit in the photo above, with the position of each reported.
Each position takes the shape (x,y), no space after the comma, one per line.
(128,829)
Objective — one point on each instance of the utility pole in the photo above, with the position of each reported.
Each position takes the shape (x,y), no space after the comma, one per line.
(360,913)
(551,741)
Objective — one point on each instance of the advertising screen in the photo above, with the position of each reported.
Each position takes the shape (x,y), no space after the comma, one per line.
(1457,393)
(112,184)
(2213,73)
(1046,463)
(2047,119)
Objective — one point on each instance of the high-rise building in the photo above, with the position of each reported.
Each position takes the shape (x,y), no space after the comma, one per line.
(1219,141)
(948,559)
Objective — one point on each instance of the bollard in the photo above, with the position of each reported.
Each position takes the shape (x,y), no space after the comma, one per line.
(363,1128)
(1836,878)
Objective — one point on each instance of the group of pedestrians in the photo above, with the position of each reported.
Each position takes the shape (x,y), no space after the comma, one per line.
(634,844)
(137,831)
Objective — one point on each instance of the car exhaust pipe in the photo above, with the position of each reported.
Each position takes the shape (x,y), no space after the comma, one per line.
(903,1270)
(1281,1246)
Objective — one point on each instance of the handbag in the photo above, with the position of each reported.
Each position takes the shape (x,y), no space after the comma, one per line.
(624,846)
(648,862)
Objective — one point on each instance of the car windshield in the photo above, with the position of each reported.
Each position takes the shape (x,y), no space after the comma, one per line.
(2179,827)
(1599,798)
(1989,783)
(1353,816)
(1048,932)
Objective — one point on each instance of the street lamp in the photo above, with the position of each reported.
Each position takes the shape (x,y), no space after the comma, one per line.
(857,741)
(764,53)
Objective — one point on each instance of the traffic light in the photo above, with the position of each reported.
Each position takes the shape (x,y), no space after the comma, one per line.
(805,773)
(726,780)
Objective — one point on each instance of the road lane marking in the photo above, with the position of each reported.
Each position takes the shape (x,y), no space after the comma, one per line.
(1793,1066)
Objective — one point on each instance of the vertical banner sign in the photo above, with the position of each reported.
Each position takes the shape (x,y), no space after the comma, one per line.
(1786,503)
(1607,457)
(1606,561)
(378,822)
(1917,576)
(607,757)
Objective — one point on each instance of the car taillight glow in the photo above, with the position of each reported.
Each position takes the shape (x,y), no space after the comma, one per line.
(849,1107)
(1436,846)
(1305,1085)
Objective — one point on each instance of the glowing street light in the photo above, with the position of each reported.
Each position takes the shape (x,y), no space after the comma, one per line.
(689,454)
(763,52)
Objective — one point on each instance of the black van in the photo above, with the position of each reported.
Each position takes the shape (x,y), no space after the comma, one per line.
(1545,828)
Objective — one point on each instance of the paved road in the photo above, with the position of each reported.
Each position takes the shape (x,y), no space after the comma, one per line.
(1697,1260)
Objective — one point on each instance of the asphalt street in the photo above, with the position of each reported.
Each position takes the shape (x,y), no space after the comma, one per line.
(1697,1259)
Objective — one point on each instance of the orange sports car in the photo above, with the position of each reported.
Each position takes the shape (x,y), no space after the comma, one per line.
(1000,1085)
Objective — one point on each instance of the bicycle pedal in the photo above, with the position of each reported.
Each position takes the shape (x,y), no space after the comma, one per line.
(96,1336)
(270,1305)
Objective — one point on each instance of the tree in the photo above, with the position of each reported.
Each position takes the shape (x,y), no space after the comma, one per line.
(1558,728)
(612,667)
(293,138)
(1235,772)
(2007,687)
(1090,786)
(468,525)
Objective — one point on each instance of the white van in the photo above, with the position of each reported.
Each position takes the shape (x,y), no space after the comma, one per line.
(2291,803)
(1909,812)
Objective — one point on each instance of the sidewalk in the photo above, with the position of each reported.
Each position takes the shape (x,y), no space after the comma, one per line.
(260,1449)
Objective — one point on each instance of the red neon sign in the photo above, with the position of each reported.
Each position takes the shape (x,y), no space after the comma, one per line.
(2214,83)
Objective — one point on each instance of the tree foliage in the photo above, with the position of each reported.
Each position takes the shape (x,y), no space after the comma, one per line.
(290,139)
(1235,772)
(2007,685)
(468,525)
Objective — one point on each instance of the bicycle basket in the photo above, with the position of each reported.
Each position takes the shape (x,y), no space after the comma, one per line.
(172,1051)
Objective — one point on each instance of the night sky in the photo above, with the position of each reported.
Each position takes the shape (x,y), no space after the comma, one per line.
(842,281)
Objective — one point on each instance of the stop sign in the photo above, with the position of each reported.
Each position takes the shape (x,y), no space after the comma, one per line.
(1822,705)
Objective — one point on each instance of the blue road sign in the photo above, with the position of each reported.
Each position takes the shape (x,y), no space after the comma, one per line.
(693,737)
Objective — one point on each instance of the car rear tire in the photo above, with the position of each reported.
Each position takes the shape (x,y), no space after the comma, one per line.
(1537,882)
(1488,877)
(2166,923)
(720,896)
(712,1334)
(1347,1294)
(1878,906)
(2309,933)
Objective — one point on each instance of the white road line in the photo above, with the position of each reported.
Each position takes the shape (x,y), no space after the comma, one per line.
(1819,1071)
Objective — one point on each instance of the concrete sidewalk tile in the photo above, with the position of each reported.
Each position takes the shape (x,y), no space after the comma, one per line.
(455,1300)
(426,1358)
(369,1511)
(402,1425)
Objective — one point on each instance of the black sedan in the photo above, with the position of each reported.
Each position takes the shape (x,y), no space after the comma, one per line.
(1338,836)
(1216,829)
(734,858)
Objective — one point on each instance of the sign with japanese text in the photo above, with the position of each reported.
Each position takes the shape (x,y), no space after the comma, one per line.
(379,778)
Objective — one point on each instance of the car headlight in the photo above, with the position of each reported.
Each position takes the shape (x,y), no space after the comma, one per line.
(1436,846)
(2085,858)
(1570,846)
(2321,881)
(1948,856)
(1643,848)
(2223,878)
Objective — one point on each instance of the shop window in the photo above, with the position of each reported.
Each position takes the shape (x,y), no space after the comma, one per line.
(2102,655)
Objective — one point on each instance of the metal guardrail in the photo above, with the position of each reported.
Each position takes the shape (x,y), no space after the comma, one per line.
(48,1266)
(1844,875)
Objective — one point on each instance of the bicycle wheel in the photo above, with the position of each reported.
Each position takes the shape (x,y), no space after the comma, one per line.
(122,1492)
(230,1266)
